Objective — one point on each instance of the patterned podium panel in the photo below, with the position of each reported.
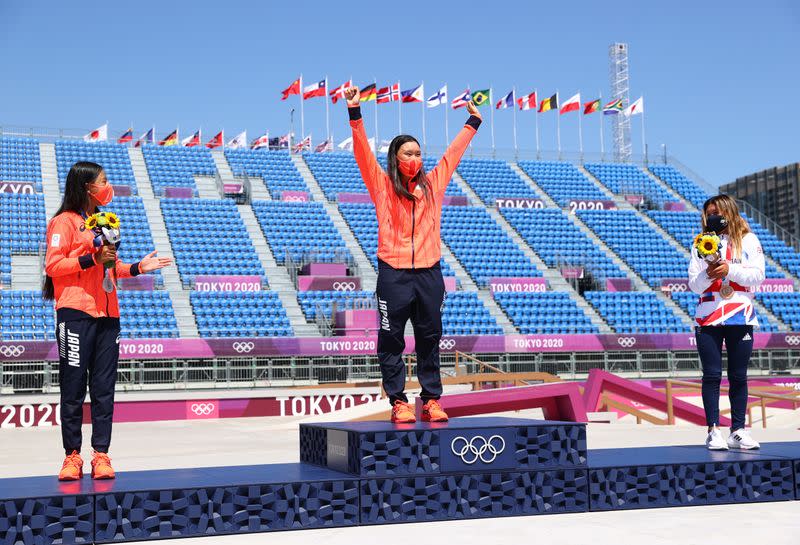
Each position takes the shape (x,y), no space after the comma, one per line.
(672,476)
(381,449)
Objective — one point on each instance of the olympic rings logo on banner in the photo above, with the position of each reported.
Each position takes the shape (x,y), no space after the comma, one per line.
(202,409)
(12,350)
(626,342)
(677,287)
(344,286)
(294,198)
(242,347)
(793,340)
(447,344)
(477,448)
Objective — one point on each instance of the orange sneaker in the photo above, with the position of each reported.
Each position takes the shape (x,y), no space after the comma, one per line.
(101,466)
(403,413)
(72,469)
(432,412)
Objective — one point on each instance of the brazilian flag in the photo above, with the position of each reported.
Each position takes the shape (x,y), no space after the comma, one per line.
(481,98)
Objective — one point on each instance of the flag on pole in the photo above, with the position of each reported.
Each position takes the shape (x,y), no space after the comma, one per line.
(100,134)
(549,104)
(388,94)
(191,141)
(217,141)
(126,137)
(591,107)
(573,104)
(170,140)
(369,93)
(260,142)
(293,89)
(147,138)
(461,100)
(439,98)
(613,108)
(414,95)
(317,89)
(506,102)
(637,107)
(283,141)
(346,144)
(304,144)
(338,93)
(239,141)
(527,102)
(327,145)
(481,98)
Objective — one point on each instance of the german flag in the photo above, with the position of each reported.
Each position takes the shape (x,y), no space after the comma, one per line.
(170,140)
(369,93)
(591,107)
(549,104)
(481,98)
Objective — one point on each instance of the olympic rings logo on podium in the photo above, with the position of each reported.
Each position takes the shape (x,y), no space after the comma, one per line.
(447,344)
(12,350)
(243,347)
(626,342)
(793,340)
(477,448)
(344,286)
(202,409)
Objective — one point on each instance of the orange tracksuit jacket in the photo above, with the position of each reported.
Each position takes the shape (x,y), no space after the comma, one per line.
(77,279)
(409,232)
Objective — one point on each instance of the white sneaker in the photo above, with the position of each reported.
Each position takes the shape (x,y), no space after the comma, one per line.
(715,441)
(740,439)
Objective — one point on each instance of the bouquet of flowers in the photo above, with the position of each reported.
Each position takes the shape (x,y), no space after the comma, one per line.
(105,225)
(707,246)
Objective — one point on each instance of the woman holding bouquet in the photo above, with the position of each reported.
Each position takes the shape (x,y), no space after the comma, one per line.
(87,317)
(725,312)
(408,203)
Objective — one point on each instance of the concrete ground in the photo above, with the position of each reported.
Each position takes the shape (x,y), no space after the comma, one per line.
(136,446)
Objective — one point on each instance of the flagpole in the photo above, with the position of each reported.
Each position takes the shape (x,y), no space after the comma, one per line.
(302,117)
(602,120)
(491,105)
(327,110)
(580,130)
(514,116)
(644,140)
(399,109)
(424,105)
(536,116)
(558,125)
(446,128)
(375,81)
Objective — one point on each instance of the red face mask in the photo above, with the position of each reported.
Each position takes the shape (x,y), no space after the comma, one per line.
(409,169)
(103,195)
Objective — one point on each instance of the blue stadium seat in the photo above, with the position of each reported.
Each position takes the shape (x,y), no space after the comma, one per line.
(492,179)
(275,167)
(549,312)
(240,314)
(635,312)
(112,157)
(176,166)
(562,181)
(20,161)
(628,179)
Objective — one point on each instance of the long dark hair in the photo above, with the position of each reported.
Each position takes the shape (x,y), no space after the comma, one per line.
(76,199)
(394,175)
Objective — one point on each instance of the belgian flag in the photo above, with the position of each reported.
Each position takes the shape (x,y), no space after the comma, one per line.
(481,98)
(369,93)
(549,104)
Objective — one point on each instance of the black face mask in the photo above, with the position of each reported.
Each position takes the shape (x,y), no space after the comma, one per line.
(716,223)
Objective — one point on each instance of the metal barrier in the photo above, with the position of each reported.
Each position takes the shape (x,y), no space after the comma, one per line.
(283,371)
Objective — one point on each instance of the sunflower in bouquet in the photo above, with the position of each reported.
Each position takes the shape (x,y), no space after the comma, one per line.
(106,226)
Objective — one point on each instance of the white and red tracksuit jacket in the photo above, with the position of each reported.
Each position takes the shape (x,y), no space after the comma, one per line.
(745,275)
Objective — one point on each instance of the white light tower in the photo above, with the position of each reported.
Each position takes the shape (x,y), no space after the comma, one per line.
(620,87)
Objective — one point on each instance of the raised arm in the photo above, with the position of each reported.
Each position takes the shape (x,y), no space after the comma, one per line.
(371,171)
(443,172)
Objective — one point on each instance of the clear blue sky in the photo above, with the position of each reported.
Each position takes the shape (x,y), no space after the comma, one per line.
(720,79)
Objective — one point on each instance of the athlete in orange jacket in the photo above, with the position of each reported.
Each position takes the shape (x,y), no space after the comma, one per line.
(408,204)
(87,316)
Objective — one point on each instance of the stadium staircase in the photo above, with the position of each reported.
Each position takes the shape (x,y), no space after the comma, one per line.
(184,316)
(50,187)
(534,186)
(258,189)
(366,271)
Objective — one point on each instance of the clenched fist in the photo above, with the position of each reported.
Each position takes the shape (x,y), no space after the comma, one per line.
(473,110)
(353,96)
